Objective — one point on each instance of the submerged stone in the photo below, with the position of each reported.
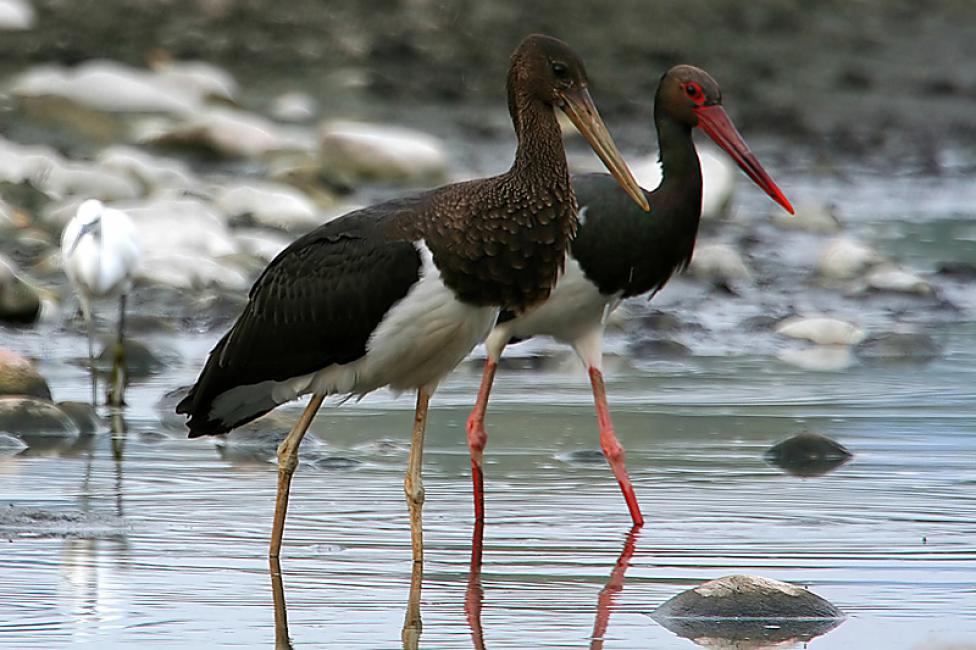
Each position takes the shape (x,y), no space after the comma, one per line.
(16,521)
(20,303)
(742,611)
(808,454)
(140,361)
(821,330)
(35,417)
(19,376)
(910,347)
(650,348)
(82,414)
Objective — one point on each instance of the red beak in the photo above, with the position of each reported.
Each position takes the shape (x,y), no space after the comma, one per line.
(714,121)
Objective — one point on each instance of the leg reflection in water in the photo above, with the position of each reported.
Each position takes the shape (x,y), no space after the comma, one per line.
(282,640)
(604,604)
(475,595)
(412,625)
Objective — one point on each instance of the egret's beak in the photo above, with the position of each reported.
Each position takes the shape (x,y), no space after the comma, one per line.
(579,107)
(714,121)
(91,227)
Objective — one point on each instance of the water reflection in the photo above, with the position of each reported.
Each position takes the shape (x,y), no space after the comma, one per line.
(282,639)
(604,604)
(474,595)
(745,634)
(412,625)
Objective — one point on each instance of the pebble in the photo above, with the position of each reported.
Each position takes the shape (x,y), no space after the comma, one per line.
(101,85)
(742,611)
(845,259)
(655,348)
(16,15)
(20,303)
(206,80)
(819,358)
(153,172)
(719,262)
(898,280)
(374,152)
(19,376)
(811,216)
(747,596)
(808,454)
(911,347)
(294,107)
(83,414)
(821,330)
(223,131)
(272,205)
(30,416)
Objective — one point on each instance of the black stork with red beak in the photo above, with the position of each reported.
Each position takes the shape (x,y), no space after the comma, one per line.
(620,252)
(397,294)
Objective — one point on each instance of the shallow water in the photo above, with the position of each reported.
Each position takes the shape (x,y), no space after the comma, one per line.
(151,539)
(176,554)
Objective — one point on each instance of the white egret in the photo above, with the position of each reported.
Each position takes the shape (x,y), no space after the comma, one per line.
(101,254)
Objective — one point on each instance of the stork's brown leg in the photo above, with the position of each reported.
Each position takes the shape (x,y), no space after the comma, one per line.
(413,484)
(287,462)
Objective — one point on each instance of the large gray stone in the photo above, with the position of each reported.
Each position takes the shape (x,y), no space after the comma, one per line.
(19,376)
(20,303)
(29,416)
(742,611)
(808,454)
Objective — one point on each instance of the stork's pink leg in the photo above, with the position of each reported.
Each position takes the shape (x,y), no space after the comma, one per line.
(611,446)
(477,438)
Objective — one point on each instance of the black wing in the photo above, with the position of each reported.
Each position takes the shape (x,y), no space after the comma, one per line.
(315,305)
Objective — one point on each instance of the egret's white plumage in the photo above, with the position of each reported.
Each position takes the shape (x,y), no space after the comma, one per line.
(101,254)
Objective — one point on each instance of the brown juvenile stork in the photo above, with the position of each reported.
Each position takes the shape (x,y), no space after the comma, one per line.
(619,252)
(398,293)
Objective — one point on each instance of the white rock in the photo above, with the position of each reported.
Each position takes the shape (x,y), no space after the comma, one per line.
(88,182)
(182,271)
(719,261)
(19,163)
(226,131)
(260,243)
(105,86)
(820,358)
(268,204)
(719,177)
(844,258)
(893,278)
(153,172)
(294,107)
(821,330)
(381,152)
(207,80)
(811,216)
(16,15)
(190,227)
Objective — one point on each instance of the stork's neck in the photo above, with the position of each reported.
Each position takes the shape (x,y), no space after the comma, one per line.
(540,155)
(680,168)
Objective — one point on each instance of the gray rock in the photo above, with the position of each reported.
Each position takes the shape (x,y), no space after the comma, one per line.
(82,414)
(294,107)
(844,259)
(964,271)
(808,454)
(742,611)
(20,303)
(18,521)
(910,347)
(140,361)
(16,15)
(29,416)
(19,376)
(10,445)
(222,131)
(658,349)
(363,151)
(272,205)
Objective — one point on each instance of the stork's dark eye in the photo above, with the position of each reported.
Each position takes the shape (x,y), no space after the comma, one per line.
(560,70)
